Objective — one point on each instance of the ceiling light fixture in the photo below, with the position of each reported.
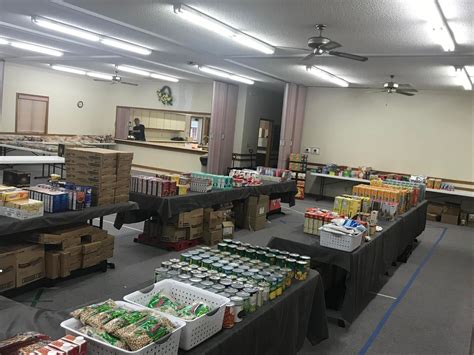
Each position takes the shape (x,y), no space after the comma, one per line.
(100,75)
(133,70)
(68,69)
(36,48)
(163,77)
(125,46)
(63,28)
(322,74)
(225,75)
(463,78)
(3,41)
(198,18)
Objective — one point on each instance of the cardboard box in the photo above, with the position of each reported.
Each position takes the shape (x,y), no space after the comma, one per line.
(91,247)
(213,219)
(212,237)
(257,206)
(227,229)
(16,178)
(8,270)
(95,235)
(258,223)
(108,253)
(451,213)
(75,257)
(109,241)
(92,259)
(194,232)
(59,235)
(29,264)
(52,264)
(470,219)
(191,219)
(433,217)
(173,234)
(240,213)
(435,208)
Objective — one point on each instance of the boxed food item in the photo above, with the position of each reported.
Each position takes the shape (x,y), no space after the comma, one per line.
(52,265)
(212,237)
(7,269)
(171,233)
(14,195)
(16,178)
(227,229)
(213,219)
(29,264)
(191,219)
(80,342)
(257,206)
(258,223)
(194,232)
(22,209)
(64,237)
(92,259)
(93,234)
(23,343)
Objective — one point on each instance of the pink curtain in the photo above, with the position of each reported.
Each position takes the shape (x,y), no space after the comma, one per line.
(294,102)
(221,137)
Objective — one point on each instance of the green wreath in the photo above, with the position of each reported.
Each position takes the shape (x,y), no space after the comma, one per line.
(164,95)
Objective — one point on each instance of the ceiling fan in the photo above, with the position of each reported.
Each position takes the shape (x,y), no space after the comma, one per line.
(116,80)
(391,87)
(320,45)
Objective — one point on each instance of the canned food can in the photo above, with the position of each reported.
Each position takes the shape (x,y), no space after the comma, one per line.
(186,257)
(242,279)
(217,288)
(166,264)
(212,272)
(232,248)
(231,291)
(294,256)
(232,277)
(244,267)
(217,267)
(289,274)
(196,281)
(214,278)
(280,284)
(207,263)
(247,274)
(228,241)
(206,284)
(234,265)
(161,273)
(246,301)
(265,265)
(273,287)
(254,271)
(205,255)
(174,261)
(280,260)
(183,277)
(258,278)
(173,274)
(238,308)
(227,270)
(284,253)
(176,267)
(301,272)
(239,286)
(265,274)
(193,252)
(270,258)
(224,294)
(265,287)
(252,299)
(205,248)
(261,255)
(291,263)
(222,246)
(196,260)
(229,316)
(307,260)
(193,267)
(225,282)
(202,269)
(251,253)
(226,254)
(254,262)
(214,259)
(241,251)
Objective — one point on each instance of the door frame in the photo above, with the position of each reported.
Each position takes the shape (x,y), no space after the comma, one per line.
(18,94)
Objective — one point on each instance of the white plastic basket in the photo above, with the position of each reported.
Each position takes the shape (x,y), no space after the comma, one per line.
(168,345)
(197,330)
(338,241)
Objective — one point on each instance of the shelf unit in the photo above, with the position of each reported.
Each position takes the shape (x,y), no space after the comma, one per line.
(304,168)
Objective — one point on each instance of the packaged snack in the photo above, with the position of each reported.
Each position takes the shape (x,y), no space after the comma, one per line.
(84,314)
(113,327)
(27,350)
(100,319)
(195,310)
(146,331)
(103,336)
(64,346)
(168,304)
(76,340)
(47,350)
(11,345)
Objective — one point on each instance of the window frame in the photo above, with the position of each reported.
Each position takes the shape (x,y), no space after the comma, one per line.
(18,97)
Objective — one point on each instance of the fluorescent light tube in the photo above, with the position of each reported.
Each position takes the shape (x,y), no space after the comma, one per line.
(225,75)
(36,48)
(68,69)
(463,78)
(125,46)
(322,74)
(163,77)
(444,38)
(133,70)
(200,19)
(3,41)
(63,28)
(99,76)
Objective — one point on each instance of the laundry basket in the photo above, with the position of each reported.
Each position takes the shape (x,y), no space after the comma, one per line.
(168,345)
(197,330)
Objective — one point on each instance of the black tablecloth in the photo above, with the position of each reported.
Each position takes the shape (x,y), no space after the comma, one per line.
(167,207)
(279,327)
(11,225)
(362,271)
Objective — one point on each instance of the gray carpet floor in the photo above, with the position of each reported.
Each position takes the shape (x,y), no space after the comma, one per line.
(425,307)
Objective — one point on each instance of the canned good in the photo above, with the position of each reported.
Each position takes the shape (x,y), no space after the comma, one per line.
(196,260)
(261,255)
(186,257)
(224,294)
(241,251)
(193,267)
(183,264)
(166,264)
(214,278)
(214,259)
(307,260)
(272,281)
(238,308)
(206,263)
(226,254)
(205,248)
(265,274)
(236,242)
(242,279)
(289,274)
(195,280)
(252,291)
(195,272)
(265,287)
(193,252)
(280,260)
(228,241)
(229,316)
(206,284)
(184,277)
(217,266)
(245,301)
(231,291)
(265,265)
(244,267)
(173,274)
(222,275)
(291,263)
(161,273)
(301,272)
(176,267)
(212,272)
(239,286)
(217,288)
(270,258)
(202,269)
(238,271)
(280,283)
(245,260)
(232,249)
(247,274)
(294,256)
(205,255)
(174,261)
(251,253)
(258,278)
(254,262)
(227,269)
(226,282)
(222,246)
(234,265)
(232,277)
(284,253)
(254,271)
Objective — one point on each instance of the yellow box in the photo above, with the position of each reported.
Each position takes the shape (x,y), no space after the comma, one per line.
(13,195)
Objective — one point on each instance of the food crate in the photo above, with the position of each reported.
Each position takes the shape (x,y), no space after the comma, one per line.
(168,345)
(197,330)
(339,241)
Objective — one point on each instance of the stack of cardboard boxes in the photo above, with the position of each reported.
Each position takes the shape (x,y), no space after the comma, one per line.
(106,171)
(193,223)
(212,233)
(73,248)
(257,209)
(20,264)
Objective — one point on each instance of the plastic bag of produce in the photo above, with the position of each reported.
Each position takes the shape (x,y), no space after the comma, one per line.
(115,326)
(146,331)
(83,314)
(193,311)
(103,336)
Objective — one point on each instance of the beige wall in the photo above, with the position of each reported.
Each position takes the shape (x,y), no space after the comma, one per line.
(430,133)
(100,99)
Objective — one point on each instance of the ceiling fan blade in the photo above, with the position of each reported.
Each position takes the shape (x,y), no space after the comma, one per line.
(106,81)
(404,93)
(309,56)
(405,85)
(348,56)
(408,90)
(127,83)
(295,49)
(330,46)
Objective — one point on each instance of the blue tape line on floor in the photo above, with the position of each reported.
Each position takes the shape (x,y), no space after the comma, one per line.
(402,294)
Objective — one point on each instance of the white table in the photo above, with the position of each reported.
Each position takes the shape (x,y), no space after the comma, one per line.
(10,147)
(50,162)
(439,191)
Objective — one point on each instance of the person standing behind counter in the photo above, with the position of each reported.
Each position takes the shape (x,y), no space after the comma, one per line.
(139,130)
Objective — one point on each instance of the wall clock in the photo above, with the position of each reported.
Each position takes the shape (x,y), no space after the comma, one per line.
(80,104)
